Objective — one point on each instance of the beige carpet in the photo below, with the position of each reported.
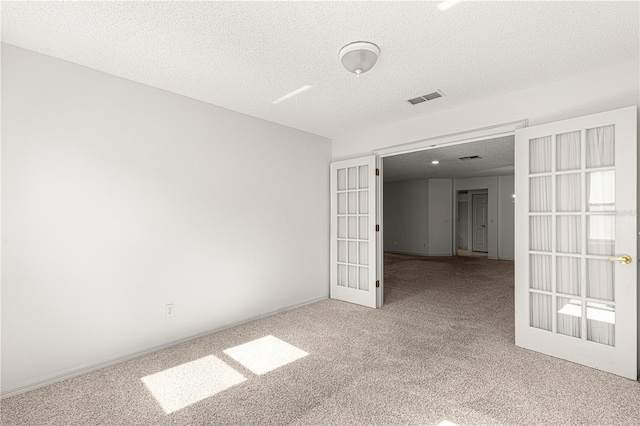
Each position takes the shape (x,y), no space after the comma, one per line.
(440,350)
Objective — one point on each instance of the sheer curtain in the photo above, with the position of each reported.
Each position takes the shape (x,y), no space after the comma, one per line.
(600,147)
(540,155)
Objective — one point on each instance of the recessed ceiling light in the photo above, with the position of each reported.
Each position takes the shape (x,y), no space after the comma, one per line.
(435,162)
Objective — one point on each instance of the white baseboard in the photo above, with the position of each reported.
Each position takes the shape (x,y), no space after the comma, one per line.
(413,253)
(68,374)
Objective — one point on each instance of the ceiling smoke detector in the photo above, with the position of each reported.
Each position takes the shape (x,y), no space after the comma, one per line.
(359,57)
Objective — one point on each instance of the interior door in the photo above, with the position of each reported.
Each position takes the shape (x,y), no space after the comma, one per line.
(479,207)
(353,231)
(576,270)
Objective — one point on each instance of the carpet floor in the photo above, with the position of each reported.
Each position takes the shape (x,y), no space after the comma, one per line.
(440,352)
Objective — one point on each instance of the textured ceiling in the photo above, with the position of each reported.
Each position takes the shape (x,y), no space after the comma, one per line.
(497,160)
(244,55)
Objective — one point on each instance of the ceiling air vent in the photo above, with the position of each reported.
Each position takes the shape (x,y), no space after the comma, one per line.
(471,157)
(429,97)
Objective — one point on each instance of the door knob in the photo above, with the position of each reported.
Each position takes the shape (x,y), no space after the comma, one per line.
(625,258)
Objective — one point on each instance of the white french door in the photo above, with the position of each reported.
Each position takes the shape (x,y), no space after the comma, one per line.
(353,231)
(576,229)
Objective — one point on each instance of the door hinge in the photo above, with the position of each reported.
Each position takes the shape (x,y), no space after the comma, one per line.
(377,172)
(377,228)
(377,283)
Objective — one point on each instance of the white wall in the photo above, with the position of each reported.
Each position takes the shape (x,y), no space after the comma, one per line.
(590,93)
(506,212)
(406,226)
(440,217)
(417,217)
(118,198)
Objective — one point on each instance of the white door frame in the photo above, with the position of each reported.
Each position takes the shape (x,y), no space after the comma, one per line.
(477,135)
(456,216)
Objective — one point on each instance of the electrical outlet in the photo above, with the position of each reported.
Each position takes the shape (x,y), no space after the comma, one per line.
(169,310)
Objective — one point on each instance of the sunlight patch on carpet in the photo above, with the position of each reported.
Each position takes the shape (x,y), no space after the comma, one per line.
(186,384)
(265,354)
(446,423)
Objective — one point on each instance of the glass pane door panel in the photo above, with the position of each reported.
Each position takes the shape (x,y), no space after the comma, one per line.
(568,193)
(601,323)
(364,253)
(352,178)
(364,228)
(568,234)
(363,181)
(342,179)
(364,279)
(353,202)
(342,203)
(342,275)
(600,147)
(569,316)
(342,227)
(364,202)
(540,233)
(353,277)
(601,191)
(540,155)
(342,251)
(540,311)
(353,227)
(353,252)
(600,284)
(568,151)
(568,275)
(540,272)
(540,194)
(601,234)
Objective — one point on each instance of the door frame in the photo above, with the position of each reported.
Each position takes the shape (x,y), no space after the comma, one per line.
(456,218)
(470,136)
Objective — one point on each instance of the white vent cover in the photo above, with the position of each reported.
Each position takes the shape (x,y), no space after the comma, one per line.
(428,97)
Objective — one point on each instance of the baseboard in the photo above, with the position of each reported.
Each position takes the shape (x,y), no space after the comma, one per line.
(59,377)
(413,253)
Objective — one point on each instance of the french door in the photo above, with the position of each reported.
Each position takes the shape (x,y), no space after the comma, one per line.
(576,247)
(353,231)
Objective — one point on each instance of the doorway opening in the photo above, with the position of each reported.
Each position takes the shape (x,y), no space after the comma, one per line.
(471,223)
(448,207)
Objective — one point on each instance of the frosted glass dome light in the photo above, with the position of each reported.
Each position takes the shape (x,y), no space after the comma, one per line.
(359,57)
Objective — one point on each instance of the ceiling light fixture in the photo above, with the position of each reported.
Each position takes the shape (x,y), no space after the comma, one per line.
(359,57)
(435,162)
(292,94)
